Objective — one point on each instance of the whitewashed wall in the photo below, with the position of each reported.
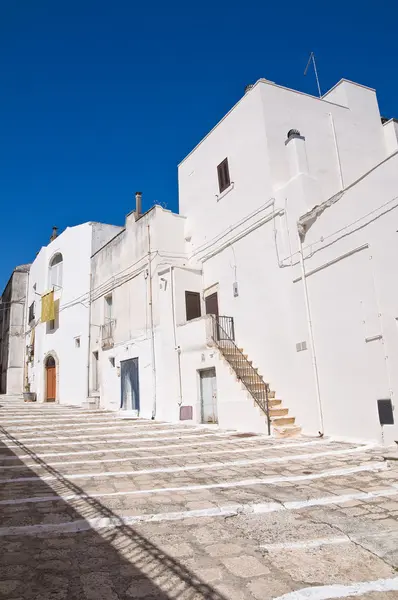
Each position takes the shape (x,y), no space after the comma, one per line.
(75,244)
(121,268)
(249,236)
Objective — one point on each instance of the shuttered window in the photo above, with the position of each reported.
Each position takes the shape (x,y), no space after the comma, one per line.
(192,304)
(224,180)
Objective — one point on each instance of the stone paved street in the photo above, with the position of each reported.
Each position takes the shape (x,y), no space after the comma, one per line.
(98,508)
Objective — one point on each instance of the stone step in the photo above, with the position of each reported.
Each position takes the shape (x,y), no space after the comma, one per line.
(283,420)
(231,350)
(236,361)
(258,385)
(249,376)
(91,403)
(286,431)
(278,411)
(271,403)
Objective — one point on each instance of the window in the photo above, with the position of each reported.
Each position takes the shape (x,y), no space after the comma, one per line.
(31,312)
(55,271)
(112,361)
(192,304)
(77,342)
(108,308)
(224,180)
(95,372)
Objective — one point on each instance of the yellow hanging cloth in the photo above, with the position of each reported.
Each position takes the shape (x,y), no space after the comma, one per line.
(47,307)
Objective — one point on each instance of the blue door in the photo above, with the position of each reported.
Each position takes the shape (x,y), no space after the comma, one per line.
(130,399)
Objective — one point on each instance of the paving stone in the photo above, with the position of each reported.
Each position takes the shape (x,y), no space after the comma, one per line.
(267,588)
(245,566)
(224,549)
(200,557)
(7,586)
(98,586)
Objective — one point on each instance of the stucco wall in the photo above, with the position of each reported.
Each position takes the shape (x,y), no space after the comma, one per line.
(75,246)
(122,269)
(12,331)
(353,300)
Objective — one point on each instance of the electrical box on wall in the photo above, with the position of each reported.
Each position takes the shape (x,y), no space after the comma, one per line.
(235,289)
(301,346)
(386,416)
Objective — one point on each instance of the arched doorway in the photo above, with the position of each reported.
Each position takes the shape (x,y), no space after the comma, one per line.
(51,379)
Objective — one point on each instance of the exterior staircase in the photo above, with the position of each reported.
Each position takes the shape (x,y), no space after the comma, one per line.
(279,423)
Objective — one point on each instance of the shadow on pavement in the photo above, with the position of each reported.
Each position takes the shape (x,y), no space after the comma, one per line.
(111,563)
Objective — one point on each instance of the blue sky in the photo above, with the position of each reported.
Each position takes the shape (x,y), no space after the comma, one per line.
(100,99)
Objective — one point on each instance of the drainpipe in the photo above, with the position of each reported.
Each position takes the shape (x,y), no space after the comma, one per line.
(25,323)
(311,337)
(336,146)
(177,348)
(89,338)
(151,323)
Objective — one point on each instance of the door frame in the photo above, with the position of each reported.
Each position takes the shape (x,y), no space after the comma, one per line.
(199,376)
(54,355)
(137,360)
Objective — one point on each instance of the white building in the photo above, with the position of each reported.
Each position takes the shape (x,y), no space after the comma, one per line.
(323,330)
(58,351)
(274,291)
(12,341)
(129,369)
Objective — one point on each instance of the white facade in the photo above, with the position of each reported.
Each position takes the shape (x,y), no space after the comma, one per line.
(126,322)
(65,340)
(12,323)
(344,159)
(297,239)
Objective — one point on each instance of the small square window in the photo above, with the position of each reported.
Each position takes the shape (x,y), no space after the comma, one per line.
(192,305)
(112,361)
(224,180)
(77,342)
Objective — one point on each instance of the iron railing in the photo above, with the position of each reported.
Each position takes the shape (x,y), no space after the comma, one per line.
(107,332)
(223,334)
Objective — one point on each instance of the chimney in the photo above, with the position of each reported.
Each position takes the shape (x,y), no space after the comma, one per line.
(138,205)
(297,153)
(54,234)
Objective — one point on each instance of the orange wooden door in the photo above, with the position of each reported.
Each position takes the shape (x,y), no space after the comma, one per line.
(51,378)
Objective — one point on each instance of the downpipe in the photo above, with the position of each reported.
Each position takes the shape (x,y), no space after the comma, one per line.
(151,323)
(311,337)
(176,346)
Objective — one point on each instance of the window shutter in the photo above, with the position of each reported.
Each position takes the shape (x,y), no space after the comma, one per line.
(192,305)
(224,180)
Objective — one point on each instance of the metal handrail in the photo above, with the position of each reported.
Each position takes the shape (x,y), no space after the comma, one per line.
(223,334)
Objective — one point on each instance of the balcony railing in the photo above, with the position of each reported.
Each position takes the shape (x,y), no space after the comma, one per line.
(107,333)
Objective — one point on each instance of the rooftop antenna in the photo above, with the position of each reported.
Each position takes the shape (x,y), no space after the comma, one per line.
(312,58)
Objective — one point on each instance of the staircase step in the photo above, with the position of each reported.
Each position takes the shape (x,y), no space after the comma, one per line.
(231,350)
(274,402)
(271,394)
(234,360)
(283,420)
(286,431)
(271,403)
(278,411)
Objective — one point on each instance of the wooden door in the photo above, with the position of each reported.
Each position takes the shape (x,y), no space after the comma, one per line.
(51,383)
(211,303)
